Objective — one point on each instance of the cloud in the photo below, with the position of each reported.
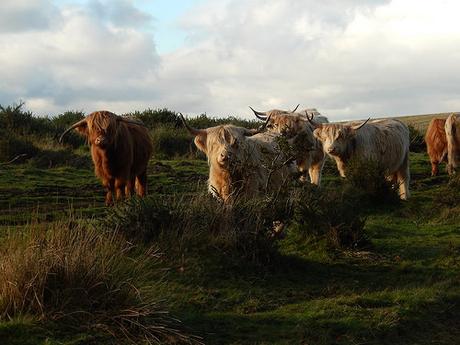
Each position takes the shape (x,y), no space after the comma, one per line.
(349,59)
(24,15)
(78,62)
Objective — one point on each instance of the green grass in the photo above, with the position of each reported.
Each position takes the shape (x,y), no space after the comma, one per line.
(403,290)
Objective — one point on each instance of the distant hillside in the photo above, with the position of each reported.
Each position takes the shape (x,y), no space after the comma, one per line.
(420,122)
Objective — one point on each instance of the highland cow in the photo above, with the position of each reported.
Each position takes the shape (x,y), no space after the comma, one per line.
(436,144)
(242,162)
(452,128)
(299,132)
(120,149)
(383,141)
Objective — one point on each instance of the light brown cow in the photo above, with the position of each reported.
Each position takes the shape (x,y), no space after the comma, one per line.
(242,162)
(383,141)
(120,149)
(452,128)
(299,132)
(436,144)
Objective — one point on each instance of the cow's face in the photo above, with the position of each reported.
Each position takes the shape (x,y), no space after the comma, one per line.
(335,138)
(222,145)
(102,128)
(285,124)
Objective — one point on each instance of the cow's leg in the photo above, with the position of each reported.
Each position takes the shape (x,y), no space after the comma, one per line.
(109,187)
(341,167)
(403,177)
(120,188)
(141,184)
(315,172)
(302,166)
(129,190)
(434,168)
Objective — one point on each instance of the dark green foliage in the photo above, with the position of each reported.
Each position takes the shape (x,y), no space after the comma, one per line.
(158,117)
(12,145)
(417,140)
(203,121)
(366,181)
(65,120)
(169,142)
(333,215)
(199,224)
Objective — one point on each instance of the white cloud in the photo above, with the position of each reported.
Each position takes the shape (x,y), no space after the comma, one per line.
(349,59)
(80,61)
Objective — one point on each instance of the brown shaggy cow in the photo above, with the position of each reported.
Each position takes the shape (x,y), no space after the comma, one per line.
(452,128)
(242,162)
(120,149)
(299,132)
(436,144)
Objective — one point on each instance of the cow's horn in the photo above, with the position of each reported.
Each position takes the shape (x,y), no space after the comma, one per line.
(259,114)
(253,131)
(192,130)
(314,124)
(356,128)
(75,125)
(295,108)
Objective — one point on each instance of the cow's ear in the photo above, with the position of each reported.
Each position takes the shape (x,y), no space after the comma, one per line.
(200,142)
(317,133)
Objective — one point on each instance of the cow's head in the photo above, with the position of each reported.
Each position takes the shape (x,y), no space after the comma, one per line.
(281,121)
(336,138)
(221,144)
(100,128)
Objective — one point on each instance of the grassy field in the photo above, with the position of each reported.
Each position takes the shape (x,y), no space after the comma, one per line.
(420,122)
(402,289)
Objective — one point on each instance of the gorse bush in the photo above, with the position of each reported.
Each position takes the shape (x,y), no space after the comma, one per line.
(169,142)
(367,182)
(158,117)
(82,276)
(201,225)
(330,215)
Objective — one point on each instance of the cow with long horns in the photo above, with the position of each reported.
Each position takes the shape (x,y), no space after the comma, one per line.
(242,162)
(299,133)
(120,149)
(383,141)
(452,128)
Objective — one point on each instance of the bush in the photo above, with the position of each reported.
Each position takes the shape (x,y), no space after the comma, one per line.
(12,145)
(203,121)
(158,117)
(330,215)
(64,121)
(200,225)
(80,275)
(366,181)
(169,142)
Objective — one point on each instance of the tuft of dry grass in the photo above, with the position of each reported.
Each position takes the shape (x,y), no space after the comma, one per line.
(78,275)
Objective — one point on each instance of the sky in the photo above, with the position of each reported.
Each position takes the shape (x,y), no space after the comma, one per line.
(349,59)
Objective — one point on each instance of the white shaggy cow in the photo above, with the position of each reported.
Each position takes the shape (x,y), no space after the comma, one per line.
(299,132)
(452,128)
(383,141)
(242,162)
